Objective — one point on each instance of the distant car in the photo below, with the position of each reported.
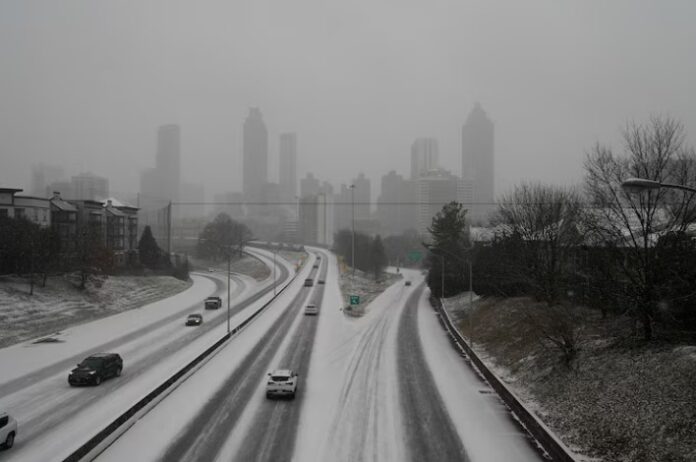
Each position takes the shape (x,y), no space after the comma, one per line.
(281,383)
(211,270)
(407,283)
(8,430)
(320,281)
(94,369)
(213,303)
(309,282)
(311,309)
(194,319)
(315,266)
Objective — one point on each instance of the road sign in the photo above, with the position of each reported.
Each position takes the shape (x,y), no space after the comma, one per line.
(415,255)
(354,299)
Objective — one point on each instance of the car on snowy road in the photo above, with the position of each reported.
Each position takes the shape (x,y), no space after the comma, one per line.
(94,369)
(212,303)
(8,430)
(311,309)
(194,319)
(282,383)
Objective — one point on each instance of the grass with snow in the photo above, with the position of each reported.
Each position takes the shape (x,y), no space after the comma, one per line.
(621,399)
(60,305)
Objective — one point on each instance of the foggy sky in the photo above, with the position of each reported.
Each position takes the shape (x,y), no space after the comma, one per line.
(85,84)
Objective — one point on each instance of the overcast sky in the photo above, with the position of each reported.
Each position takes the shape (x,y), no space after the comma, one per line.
(85,83)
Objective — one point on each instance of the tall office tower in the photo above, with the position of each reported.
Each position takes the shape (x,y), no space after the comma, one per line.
(89,187)
(396,210)
(424,154)
(362,197)
(42,175)
(255,157)
(287,165)
(309,186)
(168,161)
(478,161)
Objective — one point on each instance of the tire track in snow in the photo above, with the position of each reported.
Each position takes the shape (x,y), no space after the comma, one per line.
(364,422)
(430,432)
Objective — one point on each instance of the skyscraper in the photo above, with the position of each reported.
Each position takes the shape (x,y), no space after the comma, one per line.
(255,157)
(477,161)
(287,165)
(424,154)
(168,160)
(395,206)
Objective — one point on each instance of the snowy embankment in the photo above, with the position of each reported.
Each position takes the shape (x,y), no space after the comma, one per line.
(621,400)
(364,286)
(60,304)
(147,363)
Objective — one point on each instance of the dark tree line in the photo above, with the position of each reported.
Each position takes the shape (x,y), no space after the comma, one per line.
(370,255)
(606,247)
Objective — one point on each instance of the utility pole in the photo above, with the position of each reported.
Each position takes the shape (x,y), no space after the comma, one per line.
(352,211)
(229,264)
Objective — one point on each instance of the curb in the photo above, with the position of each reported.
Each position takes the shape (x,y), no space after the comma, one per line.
(554,448)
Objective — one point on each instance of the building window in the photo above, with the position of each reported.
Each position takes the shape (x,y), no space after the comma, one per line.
(20,213)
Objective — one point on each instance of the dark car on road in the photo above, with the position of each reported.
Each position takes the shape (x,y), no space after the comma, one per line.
(194,319)
(212,303)
(309,282)
(94,369)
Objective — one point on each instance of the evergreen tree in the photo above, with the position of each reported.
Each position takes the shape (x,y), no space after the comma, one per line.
(150,253)
(378,257)
(449,241)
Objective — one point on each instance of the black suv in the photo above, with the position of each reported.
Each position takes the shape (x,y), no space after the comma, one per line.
(94,369)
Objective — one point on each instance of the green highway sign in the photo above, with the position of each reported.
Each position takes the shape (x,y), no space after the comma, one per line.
(415,255)
(354,299)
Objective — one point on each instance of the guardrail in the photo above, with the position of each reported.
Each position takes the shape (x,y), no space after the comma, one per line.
(156,394)
(554,448)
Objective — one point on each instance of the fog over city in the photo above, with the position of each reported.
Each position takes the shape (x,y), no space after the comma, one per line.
(85,85)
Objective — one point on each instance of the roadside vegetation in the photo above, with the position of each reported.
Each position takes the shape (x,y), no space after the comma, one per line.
(588,293)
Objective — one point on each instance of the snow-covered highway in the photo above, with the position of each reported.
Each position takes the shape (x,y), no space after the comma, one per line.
(54,418)
(384,387)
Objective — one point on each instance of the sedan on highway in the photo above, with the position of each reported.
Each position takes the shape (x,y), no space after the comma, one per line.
(95,369)
(194,319)
(282,383)
(8,430)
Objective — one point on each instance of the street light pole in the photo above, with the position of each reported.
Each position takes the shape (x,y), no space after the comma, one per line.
(352,211)
(641,184)
(229,264)
(274,272)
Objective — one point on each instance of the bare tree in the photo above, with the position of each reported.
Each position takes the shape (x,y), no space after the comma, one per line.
(544,221)
(627,224)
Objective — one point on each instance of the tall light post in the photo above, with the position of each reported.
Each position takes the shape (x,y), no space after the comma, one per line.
(637,185)
(352,212)
(274,271)
(229,269)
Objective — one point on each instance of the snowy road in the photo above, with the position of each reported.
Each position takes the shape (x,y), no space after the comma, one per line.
(55,418)
(384,387)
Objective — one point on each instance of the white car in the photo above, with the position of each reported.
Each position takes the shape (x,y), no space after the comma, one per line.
(311,309)
(8,430)
(281,383)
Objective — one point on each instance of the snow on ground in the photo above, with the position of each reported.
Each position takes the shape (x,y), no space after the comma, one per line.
(60,304)
(26,357)
(61,441)
(483,422)
(365,286)
(352,411)
(151,435)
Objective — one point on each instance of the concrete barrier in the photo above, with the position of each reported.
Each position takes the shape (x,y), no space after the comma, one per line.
(554,448)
